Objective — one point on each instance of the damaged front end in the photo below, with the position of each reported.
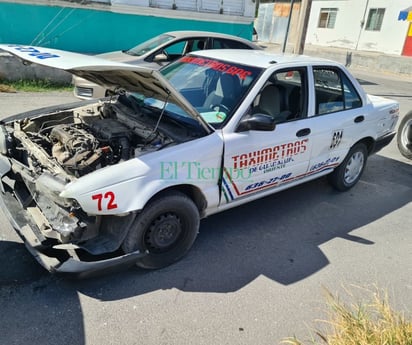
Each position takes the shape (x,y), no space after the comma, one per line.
(53,156)
(41,154)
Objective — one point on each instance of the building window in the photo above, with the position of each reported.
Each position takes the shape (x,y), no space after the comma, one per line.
(375,19)
(327,18)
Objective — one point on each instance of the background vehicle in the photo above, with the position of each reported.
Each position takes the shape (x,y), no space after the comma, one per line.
(126,179)
(161,50)
(404,137)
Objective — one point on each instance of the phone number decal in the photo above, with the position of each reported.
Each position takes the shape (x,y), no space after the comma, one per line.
(35,52)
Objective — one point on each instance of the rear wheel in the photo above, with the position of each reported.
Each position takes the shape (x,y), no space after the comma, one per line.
(404,136)
(166,229)
(348,173)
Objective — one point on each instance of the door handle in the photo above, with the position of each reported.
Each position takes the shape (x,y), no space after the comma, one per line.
(303,132)
(359,118)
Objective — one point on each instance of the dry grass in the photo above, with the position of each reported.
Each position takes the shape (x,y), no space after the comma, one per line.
(370,323)
(7,88)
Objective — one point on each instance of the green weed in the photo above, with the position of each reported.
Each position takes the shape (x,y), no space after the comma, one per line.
(33,86)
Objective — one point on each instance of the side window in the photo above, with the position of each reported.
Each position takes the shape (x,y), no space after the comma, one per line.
(176,50)
(197,44)
(334,91)
(221,43)
(284,96)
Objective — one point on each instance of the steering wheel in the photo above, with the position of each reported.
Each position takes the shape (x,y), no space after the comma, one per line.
(220,107)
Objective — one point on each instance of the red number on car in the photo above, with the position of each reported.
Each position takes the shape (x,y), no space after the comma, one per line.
(109,197)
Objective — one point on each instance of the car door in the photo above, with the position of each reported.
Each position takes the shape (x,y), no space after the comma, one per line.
(337,117)
(258,161)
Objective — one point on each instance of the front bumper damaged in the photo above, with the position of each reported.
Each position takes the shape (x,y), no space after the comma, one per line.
(60,259)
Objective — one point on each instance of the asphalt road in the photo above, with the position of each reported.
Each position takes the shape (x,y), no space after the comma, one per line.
(256,274)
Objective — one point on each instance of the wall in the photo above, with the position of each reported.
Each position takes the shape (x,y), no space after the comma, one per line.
(272,21)
(391,38)
(348,32)
(98,28)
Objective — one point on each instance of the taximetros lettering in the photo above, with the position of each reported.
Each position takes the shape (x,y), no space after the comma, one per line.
(277,152)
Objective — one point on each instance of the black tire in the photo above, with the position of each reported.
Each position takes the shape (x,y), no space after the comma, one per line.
(404,136)
(166,228)
(348,173)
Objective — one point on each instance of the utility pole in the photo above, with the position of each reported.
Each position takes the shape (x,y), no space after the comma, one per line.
(304,15)
(285,41)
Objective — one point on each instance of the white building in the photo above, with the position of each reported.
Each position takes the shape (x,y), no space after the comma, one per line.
(371,25)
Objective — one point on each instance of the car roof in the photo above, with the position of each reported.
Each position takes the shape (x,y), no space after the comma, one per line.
(261,58)
(189,33)
(196,33)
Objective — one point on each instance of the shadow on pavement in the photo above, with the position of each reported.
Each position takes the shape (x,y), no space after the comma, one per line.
(278,237)
(35,307)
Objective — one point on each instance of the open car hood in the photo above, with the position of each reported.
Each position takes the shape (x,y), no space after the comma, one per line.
(109,74)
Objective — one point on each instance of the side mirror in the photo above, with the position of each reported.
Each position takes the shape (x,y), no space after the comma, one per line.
(160,58)
(257,122)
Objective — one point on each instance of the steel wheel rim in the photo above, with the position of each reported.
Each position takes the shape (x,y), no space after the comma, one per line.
(354,167)
(163,233)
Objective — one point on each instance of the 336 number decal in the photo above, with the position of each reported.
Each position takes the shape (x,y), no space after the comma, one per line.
(336,139)
(106,200)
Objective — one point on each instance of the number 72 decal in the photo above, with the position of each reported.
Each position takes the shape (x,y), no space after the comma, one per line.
(106,201)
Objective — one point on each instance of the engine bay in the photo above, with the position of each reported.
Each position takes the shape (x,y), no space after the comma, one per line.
(87,138)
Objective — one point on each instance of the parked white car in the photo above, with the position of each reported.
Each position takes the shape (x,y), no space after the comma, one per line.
(160,51)
(126,179)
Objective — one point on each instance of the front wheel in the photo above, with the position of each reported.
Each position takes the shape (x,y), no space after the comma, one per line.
(348,173)
(166,229)
(404,136)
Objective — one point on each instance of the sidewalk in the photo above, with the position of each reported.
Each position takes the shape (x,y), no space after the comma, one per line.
(375,62)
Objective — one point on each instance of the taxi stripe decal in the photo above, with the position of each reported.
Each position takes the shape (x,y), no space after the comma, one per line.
(228,183)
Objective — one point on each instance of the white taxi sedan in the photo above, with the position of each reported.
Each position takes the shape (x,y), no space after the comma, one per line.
(126,179)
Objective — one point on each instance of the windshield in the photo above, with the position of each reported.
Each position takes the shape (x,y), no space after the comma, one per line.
(215,88)
(149,45)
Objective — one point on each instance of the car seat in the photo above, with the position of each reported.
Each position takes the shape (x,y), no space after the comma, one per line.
(272,102)
(226,93)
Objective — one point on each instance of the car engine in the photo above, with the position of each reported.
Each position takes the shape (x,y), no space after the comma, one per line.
(81,149)
(84,139)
